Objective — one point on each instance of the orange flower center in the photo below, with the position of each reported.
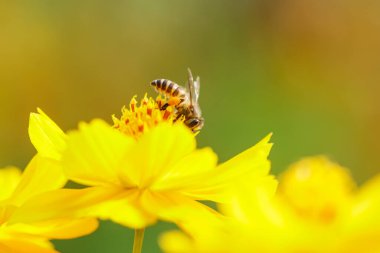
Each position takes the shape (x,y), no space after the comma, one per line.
(139,118)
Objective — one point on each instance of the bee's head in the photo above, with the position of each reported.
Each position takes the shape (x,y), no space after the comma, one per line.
(195,124)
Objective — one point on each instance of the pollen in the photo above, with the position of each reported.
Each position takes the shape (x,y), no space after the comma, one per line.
(140,117)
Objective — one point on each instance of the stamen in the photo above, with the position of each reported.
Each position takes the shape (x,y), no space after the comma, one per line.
(149,111)
(166,115)
(132,104)
(141,117)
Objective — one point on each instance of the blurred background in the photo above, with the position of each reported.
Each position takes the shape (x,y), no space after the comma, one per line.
(308,71)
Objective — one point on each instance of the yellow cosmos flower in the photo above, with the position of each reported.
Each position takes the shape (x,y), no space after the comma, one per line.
(317,208)
(145,167)
(329,213)
(17,233)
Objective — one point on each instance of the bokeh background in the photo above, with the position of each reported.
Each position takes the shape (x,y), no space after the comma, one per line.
(306,70)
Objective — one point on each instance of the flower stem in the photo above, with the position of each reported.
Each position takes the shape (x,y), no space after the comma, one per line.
(138,242)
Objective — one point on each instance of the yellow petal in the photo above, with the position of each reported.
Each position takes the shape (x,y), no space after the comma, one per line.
(199,222)
(69,228)
(9,179)
(61,203)
(365,213)
(125,210)
(6,211)
(176,242)
(95,153)
(116,204)
(253,159)
(252,200)
(252,163)
(59,228)
(41,175)
(190,172)
(46,136)
(175,207)
(156,151)
(14,242)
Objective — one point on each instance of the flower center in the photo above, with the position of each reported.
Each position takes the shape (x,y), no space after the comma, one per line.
(139,118)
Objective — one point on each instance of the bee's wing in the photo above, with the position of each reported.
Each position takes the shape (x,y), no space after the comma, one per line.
(197,85)
(193,88)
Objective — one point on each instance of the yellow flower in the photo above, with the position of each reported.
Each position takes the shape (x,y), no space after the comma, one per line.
(317,191)
(323,201)
(317,208)
(145,167)
(17,233)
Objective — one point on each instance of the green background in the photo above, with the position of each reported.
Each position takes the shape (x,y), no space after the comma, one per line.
(305,70)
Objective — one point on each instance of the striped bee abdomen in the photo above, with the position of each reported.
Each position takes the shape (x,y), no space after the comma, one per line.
(169,88)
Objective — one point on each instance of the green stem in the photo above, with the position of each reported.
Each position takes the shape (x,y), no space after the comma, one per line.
(138,242)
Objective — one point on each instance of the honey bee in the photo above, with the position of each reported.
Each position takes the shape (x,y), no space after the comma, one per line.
(185,101)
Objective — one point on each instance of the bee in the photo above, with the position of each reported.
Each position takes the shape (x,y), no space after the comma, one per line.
(184,101)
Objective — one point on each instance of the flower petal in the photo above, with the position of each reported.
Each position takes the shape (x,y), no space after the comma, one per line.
(24,243)
(41,175)
(156,151)
(124,209)
(176,242)
(188,172)
(252,200)
(9,179)
(366,209)
(62,203)
(59,228)
(252,163)
(253,159)
(203,233)
(94,154)
(46,136)
(175,207)
(116,204)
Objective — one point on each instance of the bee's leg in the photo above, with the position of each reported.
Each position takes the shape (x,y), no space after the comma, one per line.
(179,115)
(173,101)
(163,108)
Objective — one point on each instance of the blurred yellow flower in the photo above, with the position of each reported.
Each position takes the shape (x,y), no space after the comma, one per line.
(136,174)
(17,233)
(317,208)
(317,191)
